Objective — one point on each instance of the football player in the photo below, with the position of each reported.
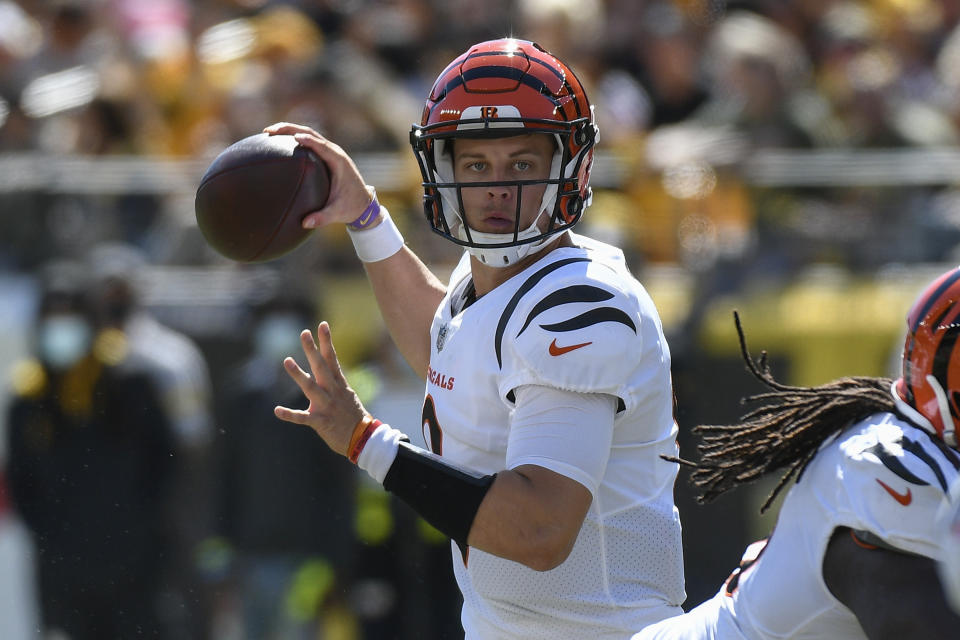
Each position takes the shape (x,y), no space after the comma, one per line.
(949,565)
(855,548)
(548,395)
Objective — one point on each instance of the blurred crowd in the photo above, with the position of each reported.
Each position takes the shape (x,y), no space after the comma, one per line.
(205,517)
(687,93)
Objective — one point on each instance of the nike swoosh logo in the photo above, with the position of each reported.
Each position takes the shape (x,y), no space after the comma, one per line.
(559,351)
(902,498)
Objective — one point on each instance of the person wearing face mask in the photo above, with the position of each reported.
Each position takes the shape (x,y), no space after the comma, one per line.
(180,372)
(284,503)
(89,457)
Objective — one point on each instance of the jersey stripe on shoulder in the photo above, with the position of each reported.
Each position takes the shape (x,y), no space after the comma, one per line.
(591,317)
(525,288)
(575,293)
(923,449)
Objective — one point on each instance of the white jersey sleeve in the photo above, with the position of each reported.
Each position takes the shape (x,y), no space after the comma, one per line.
(547,430)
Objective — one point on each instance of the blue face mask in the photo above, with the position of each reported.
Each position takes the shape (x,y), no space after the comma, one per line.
(278,336)
(63,339)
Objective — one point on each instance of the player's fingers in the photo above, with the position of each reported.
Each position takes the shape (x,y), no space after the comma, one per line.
(320,218)
(303,379)
(296,416)
(325,346)
(321,369)
(340,165)
(288,128)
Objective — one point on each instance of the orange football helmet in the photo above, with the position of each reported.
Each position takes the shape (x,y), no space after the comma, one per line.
(503,88)
(930,381)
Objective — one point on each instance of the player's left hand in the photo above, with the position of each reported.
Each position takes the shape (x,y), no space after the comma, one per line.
(334,408)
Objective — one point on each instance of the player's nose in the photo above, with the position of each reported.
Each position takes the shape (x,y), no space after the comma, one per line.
(499,191)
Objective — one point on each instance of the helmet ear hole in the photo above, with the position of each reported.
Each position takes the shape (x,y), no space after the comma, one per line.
(584,134)
(574,206)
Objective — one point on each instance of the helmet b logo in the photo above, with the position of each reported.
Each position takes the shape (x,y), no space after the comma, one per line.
(488,112)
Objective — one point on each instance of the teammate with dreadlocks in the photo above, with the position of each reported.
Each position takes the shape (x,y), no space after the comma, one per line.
(855,549)
(548,398)
(949,565)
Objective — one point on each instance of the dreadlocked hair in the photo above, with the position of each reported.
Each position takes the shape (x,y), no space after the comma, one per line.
(785,432)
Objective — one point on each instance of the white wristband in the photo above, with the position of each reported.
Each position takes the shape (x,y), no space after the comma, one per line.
(378,243)
(380,451)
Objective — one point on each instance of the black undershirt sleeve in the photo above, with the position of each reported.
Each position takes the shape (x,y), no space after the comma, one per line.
(445,495)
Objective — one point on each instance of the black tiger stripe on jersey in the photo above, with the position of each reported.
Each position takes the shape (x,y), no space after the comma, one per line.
(891,459)
(567,295)
(951,454)
(524,289)
(592,317)
(917,449)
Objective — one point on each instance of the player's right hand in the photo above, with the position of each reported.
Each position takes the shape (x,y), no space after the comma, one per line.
(348,193)
(335,410)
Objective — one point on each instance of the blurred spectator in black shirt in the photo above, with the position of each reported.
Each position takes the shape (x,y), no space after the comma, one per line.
(286,503)
(90,452)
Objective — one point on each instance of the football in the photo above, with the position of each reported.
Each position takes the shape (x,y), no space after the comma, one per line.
(253,197)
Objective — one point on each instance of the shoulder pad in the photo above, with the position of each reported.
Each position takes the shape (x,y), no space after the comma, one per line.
(894,478)
(578,331)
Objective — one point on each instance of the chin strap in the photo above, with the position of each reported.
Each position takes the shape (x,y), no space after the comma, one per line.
(949,430)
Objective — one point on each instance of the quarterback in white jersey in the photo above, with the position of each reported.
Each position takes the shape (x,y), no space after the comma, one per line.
(575,320)
(548,398)
(854,554)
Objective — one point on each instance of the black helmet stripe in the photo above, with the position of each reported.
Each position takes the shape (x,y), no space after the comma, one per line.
(941,359)
(935,296)
(508,53)
(502,72)
(928,304)
(542,63)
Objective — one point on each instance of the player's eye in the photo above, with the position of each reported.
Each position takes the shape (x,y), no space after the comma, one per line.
(476,165)
(522,165)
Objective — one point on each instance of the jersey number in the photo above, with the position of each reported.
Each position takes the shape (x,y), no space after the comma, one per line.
(432,433)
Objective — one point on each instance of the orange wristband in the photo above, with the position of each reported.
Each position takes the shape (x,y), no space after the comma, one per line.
(361,433)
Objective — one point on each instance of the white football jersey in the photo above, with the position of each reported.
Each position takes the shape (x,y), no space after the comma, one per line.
(575,320)
(882,475)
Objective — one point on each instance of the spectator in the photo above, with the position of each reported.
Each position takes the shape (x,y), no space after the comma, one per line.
(178,370)
(90,451)
(285,503)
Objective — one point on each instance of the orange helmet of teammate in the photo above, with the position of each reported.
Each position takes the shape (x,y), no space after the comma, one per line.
(930,381)
(503,88)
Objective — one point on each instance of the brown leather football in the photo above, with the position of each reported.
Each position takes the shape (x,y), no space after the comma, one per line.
(253,197)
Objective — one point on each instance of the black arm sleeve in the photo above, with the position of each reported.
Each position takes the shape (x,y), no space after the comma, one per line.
(445,495)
